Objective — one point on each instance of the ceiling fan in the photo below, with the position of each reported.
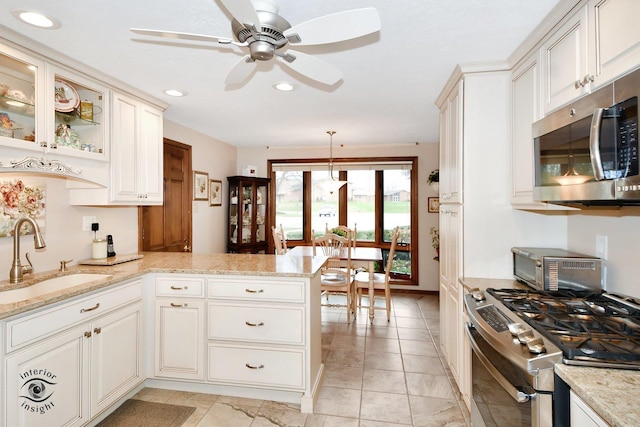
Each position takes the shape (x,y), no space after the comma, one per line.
(258,27)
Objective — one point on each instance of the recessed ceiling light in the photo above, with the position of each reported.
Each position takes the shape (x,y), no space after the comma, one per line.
(36,18)
(174,92)
(285,86)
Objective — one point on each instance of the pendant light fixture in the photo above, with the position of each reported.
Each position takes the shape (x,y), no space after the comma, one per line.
(331,184)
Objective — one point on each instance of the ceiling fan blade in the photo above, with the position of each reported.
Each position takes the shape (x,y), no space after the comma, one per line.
(240,71)
(185,36)
(336,27)
(312,67)
(243,12)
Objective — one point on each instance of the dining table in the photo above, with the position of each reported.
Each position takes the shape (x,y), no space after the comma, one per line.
(361,256)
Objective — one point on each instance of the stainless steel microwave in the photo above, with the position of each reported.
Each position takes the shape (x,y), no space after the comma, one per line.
(552,269)
(587,152)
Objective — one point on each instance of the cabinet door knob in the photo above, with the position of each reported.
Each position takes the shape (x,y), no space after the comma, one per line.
(97,330)
(87,334)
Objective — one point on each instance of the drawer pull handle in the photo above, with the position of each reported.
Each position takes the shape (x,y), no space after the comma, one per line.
(254,291)
(87,334)
(254,324)
(173,304)
(178,288)
(97,330)
(253,367)
(84,310)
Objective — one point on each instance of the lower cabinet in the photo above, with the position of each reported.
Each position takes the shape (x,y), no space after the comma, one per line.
(582,415)
(73,370)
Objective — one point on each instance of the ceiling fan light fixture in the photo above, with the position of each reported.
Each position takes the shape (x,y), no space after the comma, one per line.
(285,86)
(174,92)
(36,18)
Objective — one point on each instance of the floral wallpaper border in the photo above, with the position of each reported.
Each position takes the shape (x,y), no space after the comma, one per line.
(19,198)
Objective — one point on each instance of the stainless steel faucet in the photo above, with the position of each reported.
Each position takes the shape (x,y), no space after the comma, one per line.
(17,269)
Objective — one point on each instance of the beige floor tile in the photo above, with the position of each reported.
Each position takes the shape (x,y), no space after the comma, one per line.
(432,412)
(410,322)
(317,420)
(429,385)
(345,357)
(414,334)
(393,408)
(341,402)
(419,348)
(370,423)
(423,364)
(278,414)
(384,381)
(343,377)
(228,415)
(382,345)
(386,361)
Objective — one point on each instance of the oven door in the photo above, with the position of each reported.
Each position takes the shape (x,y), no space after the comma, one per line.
(502,395)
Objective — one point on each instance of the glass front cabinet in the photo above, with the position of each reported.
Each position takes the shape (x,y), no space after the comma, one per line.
(52,119)
(248,227)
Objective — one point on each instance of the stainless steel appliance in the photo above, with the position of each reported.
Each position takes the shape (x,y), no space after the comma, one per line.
(529,330)
(587,152)
(552,269)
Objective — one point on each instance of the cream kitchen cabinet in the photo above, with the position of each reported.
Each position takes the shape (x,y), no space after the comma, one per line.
(66,364)
(136,167)
(180,309)
(598,43)
(582,415)
(525,107)
(263,333)
(451,146)
(565,62)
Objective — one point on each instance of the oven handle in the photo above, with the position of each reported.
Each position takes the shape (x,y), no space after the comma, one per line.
(517,394)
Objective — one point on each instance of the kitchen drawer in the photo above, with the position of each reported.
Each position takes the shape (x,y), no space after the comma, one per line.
(257,289)
(25,330)
(273,324)
(256,366)
(187,287)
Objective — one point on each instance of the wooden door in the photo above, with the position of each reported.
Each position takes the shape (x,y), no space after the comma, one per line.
(167,228)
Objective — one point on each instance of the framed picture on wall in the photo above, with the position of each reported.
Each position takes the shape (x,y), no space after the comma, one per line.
(433,204)
(215,192)
(200,185)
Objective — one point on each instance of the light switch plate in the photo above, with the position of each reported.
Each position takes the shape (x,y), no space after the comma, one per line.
(87,221)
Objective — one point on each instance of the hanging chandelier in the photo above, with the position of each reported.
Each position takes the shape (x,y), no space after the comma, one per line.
(331,184)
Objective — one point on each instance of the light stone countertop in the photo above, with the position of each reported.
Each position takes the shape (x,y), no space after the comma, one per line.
(613,394)
(162,262)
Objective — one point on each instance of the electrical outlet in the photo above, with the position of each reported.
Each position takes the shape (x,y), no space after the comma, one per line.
(601,246)
(87,221)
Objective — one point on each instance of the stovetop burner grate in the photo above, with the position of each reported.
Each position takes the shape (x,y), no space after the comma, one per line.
(582,325)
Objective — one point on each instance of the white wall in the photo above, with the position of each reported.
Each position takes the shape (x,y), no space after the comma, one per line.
(427,154)
(622,229)
(63,229)
(219,161)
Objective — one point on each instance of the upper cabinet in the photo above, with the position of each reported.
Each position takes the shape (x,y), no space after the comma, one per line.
(615,38)
(451,146)
(565,64)
(597,43)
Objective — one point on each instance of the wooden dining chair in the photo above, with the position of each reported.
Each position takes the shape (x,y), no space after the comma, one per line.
(349,233)
(337,274)
(279,240)
(380,280)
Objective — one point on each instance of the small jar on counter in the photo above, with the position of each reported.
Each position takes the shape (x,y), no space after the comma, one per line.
(99,249)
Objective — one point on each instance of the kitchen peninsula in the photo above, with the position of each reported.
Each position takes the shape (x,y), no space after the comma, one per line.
(236,324)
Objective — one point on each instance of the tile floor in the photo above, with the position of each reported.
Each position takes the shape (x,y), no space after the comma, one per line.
(385,374)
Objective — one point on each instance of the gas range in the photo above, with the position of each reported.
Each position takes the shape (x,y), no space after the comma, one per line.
(591,329)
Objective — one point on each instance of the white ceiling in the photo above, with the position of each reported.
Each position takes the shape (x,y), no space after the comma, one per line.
(391,79)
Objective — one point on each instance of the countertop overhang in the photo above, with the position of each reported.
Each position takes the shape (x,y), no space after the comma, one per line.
(164,262)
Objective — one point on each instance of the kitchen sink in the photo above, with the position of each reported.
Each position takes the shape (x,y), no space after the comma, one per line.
(48,286)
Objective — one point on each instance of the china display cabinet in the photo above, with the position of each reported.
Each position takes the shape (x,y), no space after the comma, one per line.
(248,214)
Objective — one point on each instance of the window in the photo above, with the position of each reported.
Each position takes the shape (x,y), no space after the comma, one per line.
(379,195)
